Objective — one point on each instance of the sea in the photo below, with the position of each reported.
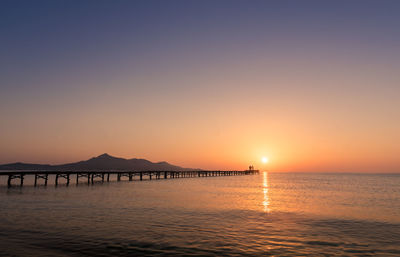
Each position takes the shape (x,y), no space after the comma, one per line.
(269,214)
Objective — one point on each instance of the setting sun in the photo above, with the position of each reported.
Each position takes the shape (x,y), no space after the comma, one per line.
(264,159)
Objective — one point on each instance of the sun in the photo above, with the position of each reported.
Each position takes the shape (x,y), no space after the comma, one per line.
(264,159)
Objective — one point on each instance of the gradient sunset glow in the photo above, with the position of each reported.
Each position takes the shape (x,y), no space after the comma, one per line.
(311,86)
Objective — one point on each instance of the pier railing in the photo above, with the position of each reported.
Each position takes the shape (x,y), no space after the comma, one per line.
(89,176)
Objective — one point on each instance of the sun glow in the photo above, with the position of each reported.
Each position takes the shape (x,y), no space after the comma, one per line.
(264,159)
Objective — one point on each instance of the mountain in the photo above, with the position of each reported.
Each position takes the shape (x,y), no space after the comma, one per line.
(101,162)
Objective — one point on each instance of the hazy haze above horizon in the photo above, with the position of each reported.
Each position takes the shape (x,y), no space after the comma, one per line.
(312,85)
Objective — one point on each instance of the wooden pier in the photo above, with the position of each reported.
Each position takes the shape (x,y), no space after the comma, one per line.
(89,177)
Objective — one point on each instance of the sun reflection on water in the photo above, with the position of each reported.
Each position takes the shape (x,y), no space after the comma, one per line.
(265,192)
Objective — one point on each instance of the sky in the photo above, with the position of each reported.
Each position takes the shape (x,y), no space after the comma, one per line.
(312,85)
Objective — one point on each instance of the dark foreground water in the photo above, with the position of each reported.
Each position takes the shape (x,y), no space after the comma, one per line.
(277,214)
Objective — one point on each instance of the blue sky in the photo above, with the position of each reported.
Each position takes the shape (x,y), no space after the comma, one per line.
(66,62)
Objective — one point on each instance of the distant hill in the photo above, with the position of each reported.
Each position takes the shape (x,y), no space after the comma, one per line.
(101,162)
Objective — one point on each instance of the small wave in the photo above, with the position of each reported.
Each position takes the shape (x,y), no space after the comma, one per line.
(323,243)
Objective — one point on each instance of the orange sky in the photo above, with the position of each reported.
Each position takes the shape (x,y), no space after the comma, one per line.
(310,129)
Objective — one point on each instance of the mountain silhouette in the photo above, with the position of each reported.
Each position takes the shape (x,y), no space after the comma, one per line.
(101,162)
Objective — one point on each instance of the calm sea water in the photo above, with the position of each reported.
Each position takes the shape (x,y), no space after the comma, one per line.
(277,214)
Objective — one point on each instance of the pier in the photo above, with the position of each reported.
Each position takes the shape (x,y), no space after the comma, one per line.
(89,177)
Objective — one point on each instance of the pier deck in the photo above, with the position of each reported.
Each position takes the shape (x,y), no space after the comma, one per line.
(104,176)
